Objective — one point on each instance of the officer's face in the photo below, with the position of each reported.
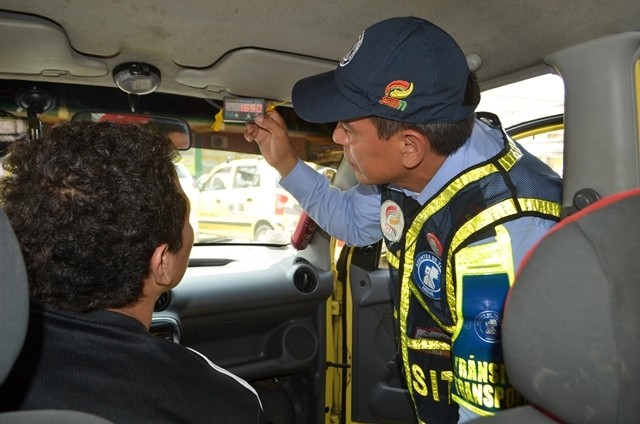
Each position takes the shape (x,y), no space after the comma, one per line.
(374,160)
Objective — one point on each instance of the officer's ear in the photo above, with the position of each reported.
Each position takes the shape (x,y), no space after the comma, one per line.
(416,147)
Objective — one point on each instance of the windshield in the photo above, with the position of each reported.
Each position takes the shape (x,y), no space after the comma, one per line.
(234,194)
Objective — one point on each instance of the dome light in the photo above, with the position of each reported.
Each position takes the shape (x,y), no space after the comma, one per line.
(137,78)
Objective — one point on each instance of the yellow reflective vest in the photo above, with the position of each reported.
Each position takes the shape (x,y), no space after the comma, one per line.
(451,268)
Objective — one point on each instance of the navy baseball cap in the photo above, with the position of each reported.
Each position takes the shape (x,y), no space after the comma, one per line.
(406,69)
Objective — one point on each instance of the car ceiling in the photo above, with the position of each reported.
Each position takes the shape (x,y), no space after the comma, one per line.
(212,48)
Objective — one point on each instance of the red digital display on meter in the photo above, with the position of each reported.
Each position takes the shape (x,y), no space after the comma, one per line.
(242,109)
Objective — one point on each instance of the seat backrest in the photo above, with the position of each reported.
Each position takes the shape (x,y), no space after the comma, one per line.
(14,319)
(14,297)
(571,330)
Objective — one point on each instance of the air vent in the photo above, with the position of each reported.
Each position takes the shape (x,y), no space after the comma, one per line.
(163,302)
(300,260)
(305,280)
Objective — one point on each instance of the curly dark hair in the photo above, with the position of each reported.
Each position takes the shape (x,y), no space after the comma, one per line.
(89,203)
(445,138)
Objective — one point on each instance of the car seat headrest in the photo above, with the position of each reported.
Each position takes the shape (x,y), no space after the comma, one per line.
(572,320)
(14,297)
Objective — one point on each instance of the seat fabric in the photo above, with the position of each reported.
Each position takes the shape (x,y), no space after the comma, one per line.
(571,328)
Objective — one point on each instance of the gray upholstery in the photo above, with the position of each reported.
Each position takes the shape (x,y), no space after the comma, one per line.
(50,417)
(14,297)
(14,317)
(571,331)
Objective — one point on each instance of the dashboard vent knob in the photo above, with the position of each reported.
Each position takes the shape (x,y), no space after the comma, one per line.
(163,302)
(305,280)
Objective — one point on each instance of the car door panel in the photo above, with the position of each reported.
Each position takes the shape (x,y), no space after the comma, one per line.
(378,395)
(376,390)
(258,312)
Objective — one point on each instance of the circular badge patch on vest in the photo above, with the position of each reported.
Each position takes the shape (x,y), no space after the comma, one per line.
(427,271)
(434,243)
(391,221)
(487,325)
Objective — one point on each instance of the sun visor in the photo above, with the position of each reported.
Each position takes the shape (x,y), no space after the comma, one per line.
(260,73)
(35,46)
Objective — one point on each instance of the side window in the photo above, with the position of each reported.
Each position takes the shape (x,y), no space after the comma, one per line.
(216,183)
(246,177)
(218,180)
(531,112)
(546,143)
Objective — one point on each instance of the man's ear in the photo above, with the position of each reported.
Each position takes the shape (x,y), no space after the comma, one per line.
(159,265)
(415,148)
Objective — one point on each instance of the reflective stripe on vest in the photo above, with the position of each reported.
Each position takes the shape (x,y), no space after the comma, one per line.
(420,341)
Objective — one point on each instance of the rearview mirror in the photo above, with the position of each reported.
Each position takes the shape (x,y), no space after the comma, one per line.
(178,130)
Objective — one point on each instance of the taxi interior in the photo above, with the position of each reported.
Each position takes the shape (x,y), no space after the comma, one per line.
(311,328)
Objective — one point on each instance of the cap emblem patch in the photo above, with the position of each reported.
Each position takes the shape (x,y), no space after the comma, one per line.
(394,92)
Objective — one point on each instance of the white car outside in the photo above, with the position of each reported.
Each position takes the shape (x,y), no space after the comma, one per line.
(241,199)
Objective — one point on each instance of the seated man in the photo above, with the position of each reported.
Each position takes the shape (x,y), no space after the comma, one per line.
(103,225)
